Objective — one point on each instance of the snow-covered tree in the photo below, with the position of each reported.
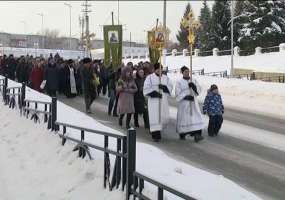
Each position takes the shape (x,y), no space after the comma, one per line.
(263,24)
(204,42)
(182,35)
(220,24)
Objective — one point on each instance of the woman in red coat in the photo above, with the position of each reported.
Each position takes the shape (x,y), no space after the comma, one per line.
(37,75)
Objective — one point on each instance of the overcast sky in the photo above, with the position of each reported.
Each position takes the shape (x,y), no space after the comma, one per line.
(137,15)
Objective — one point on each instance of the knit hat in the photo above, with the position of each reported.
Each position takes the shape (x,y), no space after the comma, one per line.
(213,87)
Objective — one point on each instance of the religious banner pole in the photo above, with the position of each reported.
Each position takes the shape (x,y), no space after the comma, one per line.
(189,22)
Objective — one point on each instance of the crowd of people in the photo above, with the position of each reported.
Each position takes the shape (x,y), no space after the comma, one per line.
(133,90)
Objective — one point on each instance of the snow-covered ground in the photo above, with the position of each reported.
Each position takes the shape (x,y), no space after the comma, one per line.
(268,62)
(38,167)
(253,96)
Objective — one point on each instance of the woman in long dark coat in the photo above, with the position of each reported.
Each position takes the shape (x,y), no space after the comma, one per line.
(51,77)
(139,99)
(126,88)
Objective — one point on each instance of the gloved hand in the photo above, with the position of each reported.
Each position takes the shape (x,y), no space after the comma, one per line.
(155,94)
(189,98)
(194,87)
(164,88)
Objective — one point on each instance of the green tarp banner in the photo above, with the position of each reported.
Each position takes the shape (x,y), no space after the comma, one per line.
(113,45)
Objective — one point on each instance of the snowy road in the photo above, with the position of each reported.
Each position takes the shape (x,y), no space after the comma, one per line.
(253,162)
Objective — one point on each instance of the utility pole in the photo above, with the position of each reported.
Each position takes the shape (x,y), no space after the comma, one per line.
(25,32)
(42,15)
(87,35)
(69,5)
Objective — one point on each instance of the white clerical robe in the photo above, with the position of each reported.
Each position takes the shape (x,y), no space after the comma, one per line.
(72,81)
(156,122)
(189,117)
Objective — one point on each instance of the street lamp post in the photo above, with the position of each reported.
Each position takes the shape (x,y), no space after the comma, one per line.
(36,45)
(25,32)
(69,5)
(232,39)
(42,16)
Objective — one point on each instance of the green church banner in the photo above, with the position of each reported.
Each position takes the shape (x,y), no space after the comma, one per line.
(113,45)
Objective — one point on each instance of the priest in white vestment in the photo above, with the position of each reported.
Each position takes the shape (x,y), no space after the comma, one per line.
(189,116)
(157,93)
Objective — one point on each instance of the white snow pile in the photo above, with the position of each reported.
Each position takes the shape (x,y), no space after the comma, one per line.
(267,62)
(36,166)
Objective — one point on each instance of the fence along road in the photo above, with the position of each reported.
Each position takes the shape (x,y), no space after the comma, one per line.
(255,167)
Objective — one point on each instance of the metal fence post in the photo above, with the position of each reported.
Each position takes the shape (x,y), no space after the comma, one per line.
(54,127)
(23,94)
(131,161)
(5,90)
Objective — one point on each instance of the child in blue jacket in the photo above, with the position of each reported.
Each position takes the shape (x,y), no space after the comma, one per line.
(213,106)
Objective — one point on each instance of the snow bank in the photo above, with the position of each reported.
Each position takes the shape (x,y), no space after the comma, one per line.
(38,163)
(35,166)
(253,96)
(268,62)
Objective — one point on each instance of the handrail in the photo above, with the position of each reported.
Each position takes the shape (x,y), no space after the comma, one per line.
(35,101)
(162,187)
(90,130)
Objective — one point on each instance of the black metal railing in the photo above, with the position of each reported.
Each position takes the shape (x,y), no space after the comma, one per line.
(125,154)
(217,74)
(195,72)
(139,180)
(48,109)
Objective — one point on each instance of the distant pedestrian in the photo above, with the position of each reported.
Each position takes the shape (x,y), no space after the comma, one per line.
(213,106)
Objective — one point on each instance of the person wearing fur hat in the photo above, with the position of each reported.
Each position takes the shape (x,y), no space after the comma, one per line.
(213,106)
(126,89)
(189,117)
(157,91)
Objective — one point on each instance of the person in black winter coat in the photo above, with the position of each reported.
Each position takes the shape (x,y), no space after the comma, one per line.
(139,99)
(22,71)
(11,67)
(213,106)
(51,77)
(113,77)
(103,75)
(89,89)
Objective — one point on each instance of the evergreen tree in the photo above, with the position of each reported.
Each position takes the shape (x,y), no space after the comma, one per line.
(239,19)
(183,33)
(220,25)
(204,42)
(263,24)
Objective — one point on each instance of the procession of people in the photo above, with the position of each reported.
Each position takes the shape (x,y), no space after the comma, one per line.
(137,90)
